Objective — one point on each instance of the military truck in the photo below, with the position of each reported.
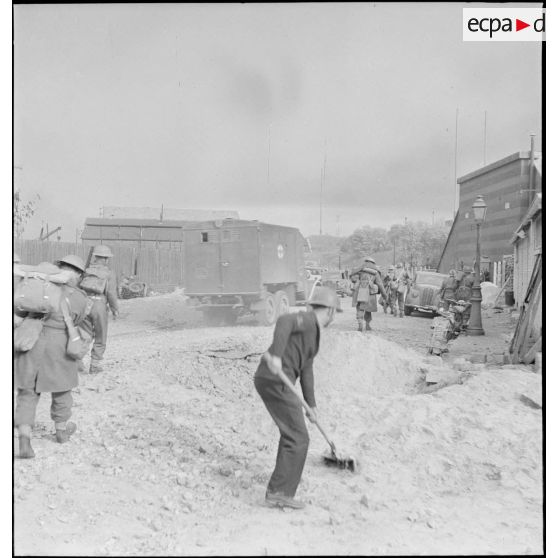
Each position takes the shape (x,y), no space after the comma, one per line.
(234,267)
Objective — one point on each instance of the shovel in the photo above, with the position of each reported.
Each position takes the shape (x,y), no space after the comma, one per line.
(334,458)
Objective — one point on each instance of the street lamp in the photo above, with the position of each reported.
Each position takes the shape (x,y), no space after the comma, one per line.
(475,322)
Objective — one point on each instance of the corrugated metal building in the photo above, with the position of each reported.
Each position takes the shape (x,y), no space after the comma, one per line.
(505,188)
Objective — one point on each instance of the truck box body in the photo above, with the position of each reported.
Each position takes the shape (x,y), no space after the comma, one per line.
(239,257)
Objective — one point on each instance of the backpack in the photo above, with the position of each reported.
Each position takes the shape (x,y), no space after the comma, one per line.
(95,280)
(38,289)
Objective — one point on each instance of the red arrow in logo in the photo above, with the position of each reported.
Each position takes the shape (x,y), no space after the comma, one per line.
(519,25)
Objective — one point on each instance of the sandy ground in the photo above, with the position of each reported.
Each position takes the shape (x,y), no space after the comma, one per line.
(174,448)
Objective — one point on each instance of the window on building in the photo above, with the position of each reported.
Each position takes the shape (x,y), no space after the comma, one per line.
(204,237)
(507,205)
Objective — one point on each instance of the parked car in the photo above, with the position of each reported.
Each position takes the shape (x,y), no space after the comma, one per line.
(422,294)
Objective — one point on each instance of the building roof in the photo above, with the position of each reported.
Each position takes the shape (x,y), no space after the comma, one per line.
(100,222)
(534,209)
(501,163)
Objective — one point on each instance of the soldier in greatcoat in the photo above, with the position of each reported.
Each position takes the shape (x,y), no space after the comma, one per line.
(47,368)
(367,282)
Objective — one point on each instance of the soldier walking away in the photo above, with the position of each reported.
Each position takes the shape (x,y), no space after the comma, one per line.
(296,341)
(46,367)
(99,283)
(448,289)
(391,299)
(464,291)
(367,282)
(401,282)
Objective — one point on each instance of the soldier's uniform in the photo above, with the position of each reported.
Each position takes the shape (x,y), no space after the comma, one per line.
(367,283)
(464,291)
(46,368)
(101,303)
(400,287)
(390,288)
(448,289)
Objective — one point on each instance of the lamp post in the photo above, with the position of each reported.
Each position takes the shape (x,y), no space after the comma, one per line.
(475,322)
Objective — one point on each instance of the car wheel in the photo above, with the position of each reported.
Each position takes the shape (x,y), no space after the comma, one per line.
(408,310)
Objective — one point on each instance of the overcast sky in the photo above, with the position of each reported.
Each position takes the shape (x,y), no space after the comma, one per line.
(237,107)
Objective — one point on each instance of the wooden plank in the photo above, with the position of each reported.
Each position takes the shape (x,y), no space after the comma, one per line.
(529,356)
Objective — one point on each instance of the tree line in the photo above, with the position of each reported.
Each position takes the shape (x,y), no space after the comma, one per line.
(417,244)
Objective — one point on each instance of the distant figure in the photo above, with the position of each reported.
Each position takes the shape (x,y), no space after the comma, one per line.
(402,279)
(465,290)
(391,300)
(367,283)
(100,285)
(448,289)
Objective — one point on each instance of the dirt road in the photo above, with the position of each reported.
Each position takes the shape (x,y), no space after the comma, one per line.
(174,449)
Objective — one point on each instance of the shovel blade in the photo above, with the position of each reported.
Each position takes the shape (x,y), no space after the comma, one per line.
(341,462)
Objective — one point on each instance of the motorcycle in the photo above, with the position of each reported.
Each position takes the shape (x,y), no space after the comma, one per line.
(447,326)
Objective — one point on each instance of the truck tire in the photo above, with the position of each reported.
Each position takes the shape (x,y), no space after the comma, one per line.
(267,315)
(281,303)
(407,310)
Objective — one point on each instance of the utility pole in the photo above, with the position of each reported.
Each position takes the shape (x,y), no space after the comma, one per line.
(322,183)
(268,151)
(484,154)
(456,187)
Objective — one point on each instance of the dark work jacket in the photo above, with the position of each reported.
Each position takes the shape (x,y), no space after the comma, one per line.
(296,341)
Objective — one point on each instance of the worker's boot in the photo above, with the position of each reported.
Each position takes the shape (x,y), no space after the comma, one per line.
(63,435)
(360,325)
(25,449)
(368,328)
(400,314)
(279,500)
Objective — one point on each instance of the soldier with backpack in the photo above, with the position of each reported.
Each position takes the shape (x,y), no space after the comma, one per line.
(367,282)
(44,365)
(99,283)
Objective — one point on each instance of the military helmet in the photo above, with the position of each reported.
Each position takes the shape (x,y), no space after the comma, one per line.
(102,251)
(399,265)
(370,259)
(391,268)
(452,272)
(16,258)
(324,296)
(73,261)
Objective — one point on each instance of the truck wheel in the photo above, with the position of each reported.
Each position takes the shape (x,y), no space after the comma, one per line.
(408,310)
(281,303)
(267,315)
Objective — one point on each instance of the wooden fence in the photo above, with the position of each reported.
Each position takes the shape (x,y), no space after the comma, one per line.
(160,268)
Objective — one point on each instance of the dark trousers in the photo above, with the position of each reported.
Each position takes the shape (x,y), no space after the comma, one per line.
(401,302)
(361,313)
(28,399)
(99,316)
(286,410)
